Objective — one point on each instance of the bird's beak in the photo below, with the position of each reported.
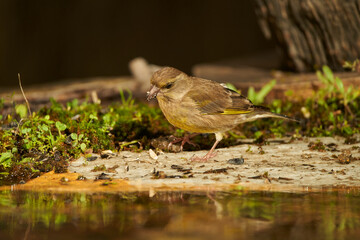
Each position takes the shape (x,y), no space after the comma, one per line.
(154,90)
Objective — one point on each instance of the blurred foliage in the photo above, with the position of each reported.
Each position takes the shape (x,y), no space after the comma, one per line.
(333,110)
(50,137)
(353,66)
(258,97)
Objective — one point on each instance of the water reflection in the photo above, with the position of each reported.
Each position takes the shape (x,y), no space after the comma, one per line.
(180,215)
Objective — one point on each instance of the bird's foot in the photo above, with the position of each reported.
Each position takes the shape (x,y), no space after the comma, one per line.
(183,140)
(204,158)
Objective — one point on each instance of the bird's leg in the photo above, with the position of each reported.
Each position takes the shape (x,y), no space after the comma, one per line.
(183,140)
(211,153)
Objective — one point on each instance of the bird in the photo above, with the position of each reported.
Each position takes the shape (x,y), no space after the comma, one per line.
(200,105)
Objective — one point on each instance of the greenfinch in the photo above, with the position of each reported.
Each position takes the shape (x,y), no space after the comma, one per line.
(199,105)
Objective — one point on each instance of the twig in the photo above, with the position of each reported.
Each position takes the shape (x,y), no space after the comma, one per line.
(349,110)
(22,91)
(27,231)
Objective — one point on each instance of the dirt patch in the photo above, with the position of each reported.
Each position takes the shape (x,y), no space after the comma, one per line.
(286,166)
(280,163)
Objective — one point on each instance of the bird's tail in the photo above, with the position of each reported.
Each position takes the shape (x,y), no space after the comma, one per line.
(264,112)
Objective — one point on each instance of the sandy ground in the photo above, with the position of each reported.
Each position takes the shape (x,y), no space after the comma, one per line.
(292,164)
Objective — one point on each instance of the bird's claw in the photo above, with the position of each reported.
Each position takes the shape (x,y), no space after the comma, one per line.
(204,158)
(183,140)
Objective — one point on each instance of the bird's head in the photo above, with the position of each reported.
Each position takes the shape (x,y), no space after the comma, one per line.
(168,82)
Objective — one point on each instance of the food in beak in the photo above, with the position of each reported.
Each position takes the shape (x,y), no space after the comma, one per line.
(152,93)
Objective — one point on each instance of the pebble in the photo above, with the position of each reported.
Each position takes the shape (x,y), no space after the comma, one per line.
(236,161)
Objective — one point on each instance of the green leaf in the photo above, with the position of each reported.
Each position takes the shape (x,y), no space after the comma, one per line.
(340,85)
(231,87)
(5,159)
(328,74)
(251,94)
(6,155)
(83,147)
(60,126)
(26,160)
(331,117)
(73,104)
(348,130)
(107,119)
(356,94)
(93,117)
(44,127)
(81,135)
(265,91)
(73,136)
(21,110)
(25,130)
(321,77)
(321,102)
(258,134)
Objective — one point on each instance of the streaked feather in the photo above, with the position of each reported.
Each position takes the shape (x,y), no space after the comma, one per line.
(218,99)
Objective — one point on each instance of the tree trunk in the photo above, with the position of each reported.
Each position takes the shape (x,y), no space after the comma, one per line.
(312,33)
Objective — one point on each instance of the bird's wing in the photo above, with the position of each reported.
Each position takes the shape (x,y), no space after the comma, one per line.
(212,98)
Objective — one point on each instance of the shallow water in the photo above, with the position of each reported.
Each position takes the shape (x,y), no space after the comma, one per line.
(180,215)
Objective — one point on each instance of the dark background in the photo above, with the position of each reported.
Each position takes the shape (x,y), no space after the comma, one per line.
(58,39)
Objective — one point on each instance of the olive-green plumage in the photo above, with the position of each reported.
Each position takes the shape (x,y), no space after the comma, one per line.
(202,106)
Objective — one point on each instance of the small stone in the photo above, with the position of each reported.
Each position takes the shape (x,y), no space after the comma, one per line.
(106,154)
(92,158)
(64,180)
(236,161)
(178,167)
(103,176)
(153,154)
(152,192)
(76,117)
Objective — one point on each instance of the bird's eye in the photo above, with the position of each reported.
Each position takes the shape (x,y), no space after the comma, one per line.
(168,85)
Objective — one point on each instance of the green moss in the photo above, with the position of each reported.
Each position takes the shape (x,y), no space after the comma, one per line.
(50,137)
